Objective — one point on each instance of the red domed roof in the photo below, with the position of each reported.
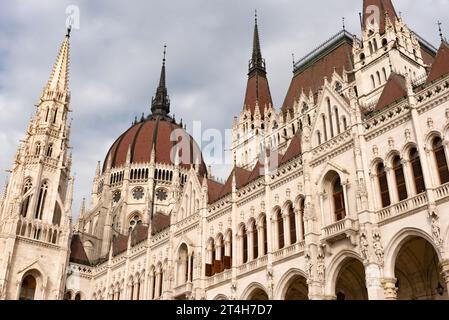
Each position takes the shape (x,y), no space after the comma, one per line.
(141,137)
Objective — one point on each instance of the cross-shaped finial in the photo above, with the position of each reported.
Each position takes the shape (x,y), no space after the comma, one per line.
(255,15)
(344,26)
(165,52)
(440,30)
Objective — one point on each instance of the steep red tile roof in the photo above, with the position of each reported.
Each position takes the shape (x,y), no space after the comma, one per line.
(139,234)
(213,190)
(241,176)
(77,252)
(394,90)
(440,66)
(385,7)
(160,223)
(294,148)
(427,57)
(256,173)
(257,92)
(119,244)
(336,55)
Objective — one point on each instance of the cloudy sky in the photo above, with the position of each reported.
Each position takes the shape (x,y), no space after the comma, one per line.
(116,56)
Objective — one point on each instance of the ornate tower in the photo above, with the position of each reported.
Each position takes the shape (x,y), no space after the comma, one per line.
(248,129)
(387,46)
(35,218)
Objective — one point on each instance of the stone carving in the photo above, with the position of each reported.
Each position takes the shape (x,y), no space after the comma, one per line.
(321,268)
(408,135)
(364,247)
(430,123)
(391,143)
(435,226)
(378,248)
(375,151)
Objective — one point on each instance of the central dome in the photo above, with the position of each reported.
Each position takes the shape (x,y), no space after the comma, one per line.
(159,132)
(155,132)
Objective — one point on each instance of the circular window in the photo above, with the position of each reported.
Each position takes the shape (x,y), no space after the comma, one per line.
(161,194)
(138,193)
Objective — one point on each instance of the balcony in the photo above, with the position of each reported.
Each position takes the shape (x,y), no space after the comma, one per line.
(219,278)
(183,291)
(442,192)
(346,228)
(252,265)
(403,208)
(289,251)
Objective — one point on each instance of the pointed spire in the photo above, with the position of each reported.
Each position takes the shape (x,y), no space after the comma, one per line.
(59,79)
(257,62)
(440,30)
(161,102)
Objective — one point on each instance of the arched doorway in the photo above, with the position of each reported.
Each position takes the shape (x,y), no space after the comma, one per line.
(297,289)
(28,288)
(351,283)
(258,295)
(418,273)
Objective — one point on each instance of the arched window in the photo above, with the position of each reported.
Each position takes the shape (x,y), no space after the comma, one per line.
(292,220)
(57,215)
(26,203)
(385,74)
(383,185)
(255,241)
(337,119)
(38,149)
(46,115)
(318,137)
(68,296)
(28,288)
(55,116)
(309,121)
(323,118)
(398,170)
(441,161)
(41,201)
(345,124)
(379,80)
(384,43)
(375,45)
(265,235)
(370,45)
(329,111)
(339,202)
(244,238)
(50,150)
(418,176)
(373,82)
(280,224)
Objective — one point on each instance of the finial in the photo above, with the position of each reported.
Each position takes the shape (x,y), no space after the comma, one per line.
(165,53)
(440,30)
(344,26)
(69,31)
(293,56)
(255,15)
(361,20)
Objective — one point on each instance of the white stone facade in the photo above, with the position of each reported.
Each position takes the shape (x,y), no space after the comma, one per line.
(359,213)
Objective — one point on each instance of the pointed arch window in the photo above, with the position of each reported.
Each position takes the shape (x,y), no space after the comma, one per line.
(329,111)
(255,241)
(379,80)
(323,118)
(337,119)
(37,151)
(385,74)
(292,220)
(318,136)
(441,160)
(418,176)
(26,203)
(28,288)
(383,185)
(55,115)
(280,224)
(339,202)
(244,236)
(41,201)
(265,235)
(50,150)
(373,82)
(345,124)
(398,170)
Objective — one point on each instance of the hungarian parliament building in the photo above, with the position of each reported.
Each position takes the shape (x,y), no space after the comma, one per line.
(340,193)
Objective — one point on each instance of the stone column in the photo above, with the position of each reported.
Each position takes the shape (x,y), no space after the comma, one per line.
(391,185)
(323,220)
(157,288)
(345,195)
(374,282)
(250,244)
(408,177)
(390,290)
(299,227)
(151,285)
(260,240)
(189,268)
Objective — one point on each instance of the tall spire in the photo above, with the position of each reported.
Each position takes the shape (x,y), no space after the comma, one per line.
(59,79)
(257,62)
(161,103)
(257,90)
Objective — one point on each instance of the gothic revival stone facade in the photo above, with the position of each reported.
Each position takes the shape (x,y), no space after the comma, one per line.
(341,194)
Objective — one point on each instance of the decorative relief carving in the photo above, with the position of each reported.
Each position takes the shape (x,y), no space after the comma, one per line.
(378,248)
(364,247)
